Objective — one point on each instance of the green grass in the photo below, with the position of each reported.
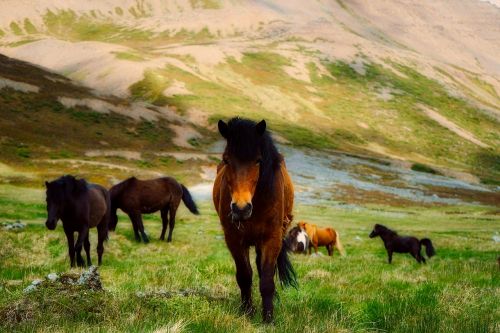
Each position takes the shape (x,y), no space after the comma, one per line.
(424,168)
(458,290)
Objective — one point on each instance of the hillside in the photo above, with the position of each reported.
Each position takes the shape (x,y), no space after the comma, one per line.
(400,81)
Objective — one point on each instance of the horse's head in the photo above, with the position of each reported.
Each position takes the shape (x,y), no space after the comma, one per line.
(57,193)
(376,230)
(302,225)
(55,201)
(249,158)
(297,240)
(113,220)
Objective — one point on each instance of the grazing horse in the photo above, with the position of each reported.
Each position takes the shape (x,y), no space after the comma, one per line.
(399,244)
(80,206)
(136,197)
(297,240)
(328,237)
(253,196)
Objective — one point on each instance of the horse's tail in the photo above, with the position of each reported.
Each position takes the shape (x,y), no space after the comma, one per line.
(338,244)
(286,273)
(429,249)
(188,201)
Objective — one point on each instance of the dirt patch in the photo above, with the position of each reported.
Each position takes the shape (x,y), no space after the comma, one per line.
(128,154)
(443,121)
(183,135)
(20,86)
(176,88)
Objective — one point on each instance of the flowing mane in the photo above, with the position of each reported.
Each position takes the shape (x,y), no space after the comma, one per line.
(72,186)
(385,230)
(117,189)
(244,143)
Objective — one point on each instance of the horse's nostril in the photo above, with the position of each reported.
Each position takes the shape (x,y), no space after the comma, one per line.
(244,212)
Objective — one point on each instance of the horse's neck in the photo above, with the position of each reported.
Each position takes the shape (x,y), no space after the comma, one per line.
(387,236)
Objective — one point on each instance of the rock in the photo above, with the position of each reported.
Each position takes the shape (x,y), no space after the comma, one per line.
(496,238)
(18,225)
(358,238)
(52,277)
(33,286)
(91,278)
(219,237)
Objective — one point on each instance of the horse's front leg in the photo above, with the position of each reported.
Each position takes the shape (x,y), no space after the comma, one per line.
(71,246)
(241,258)
(270,250)
(82,235)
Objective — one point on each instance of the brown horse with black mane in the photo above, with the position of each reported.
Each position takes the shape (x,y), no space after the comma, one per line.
(80,206)
(253,196)
(136,197)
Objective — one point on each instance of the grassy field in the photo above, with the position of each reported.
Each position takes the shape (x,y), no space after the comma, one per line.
(457,291)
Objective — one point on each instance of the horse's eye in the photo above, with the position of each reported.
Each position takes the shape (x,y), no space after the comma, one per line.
(225,161)
(259,161)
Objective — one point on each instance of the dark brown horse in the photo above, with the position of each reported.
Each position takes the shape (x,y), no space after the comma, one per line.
(80,206)
(402,244)
(253,196)
(136,197)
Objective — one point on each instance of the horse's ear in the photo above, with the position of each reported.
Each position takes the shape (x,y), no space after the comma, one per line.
(261,127)
(46,184)
(223,129)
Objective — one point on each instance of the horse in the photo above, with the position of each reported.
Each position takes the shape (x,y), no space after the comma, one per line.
(327,237)
(297,240)
(253,197)
(80,206)
(399,244)
(136,197)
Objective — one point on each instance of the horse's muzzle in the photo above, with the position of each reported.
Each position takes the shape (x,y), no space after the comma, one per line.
(372,235)
(241,214)
(50,224)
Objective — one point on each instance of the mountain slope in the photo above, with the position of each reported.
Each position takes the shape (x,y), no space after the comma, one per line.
(415,81)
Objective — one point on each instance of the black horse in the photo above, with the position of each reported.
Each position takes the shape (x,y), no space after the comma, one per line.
(80,206)
(402,244)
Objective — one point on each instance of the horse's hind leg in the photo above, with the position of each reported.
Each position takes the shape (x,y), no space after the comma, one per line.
(164,220)
(102,235)
(86,246)
(171,223)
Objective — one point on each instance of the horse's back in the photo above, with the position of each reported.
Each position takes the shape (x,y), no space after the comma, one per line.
(149,195)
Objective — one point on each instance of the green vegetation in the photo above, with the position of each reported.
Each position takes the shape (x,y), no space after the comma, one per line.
(206,4)
(424,168)
(129,56)
(66,24)
(29,27)
(457,290)
(14,27)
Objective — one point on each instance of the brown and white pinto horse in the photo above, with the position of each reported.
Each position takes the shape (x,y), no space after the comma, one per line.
(253,196)
(327,237)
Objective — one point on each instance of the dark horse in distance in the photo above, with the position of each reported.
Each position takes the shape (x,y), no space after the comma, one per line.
(253,196)
(402,244)
(136,197)
(80,206)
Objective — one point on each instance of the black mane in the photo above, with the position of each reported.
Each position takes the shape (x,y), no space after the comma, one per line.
(244,143)
(384,229)
(71,186)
